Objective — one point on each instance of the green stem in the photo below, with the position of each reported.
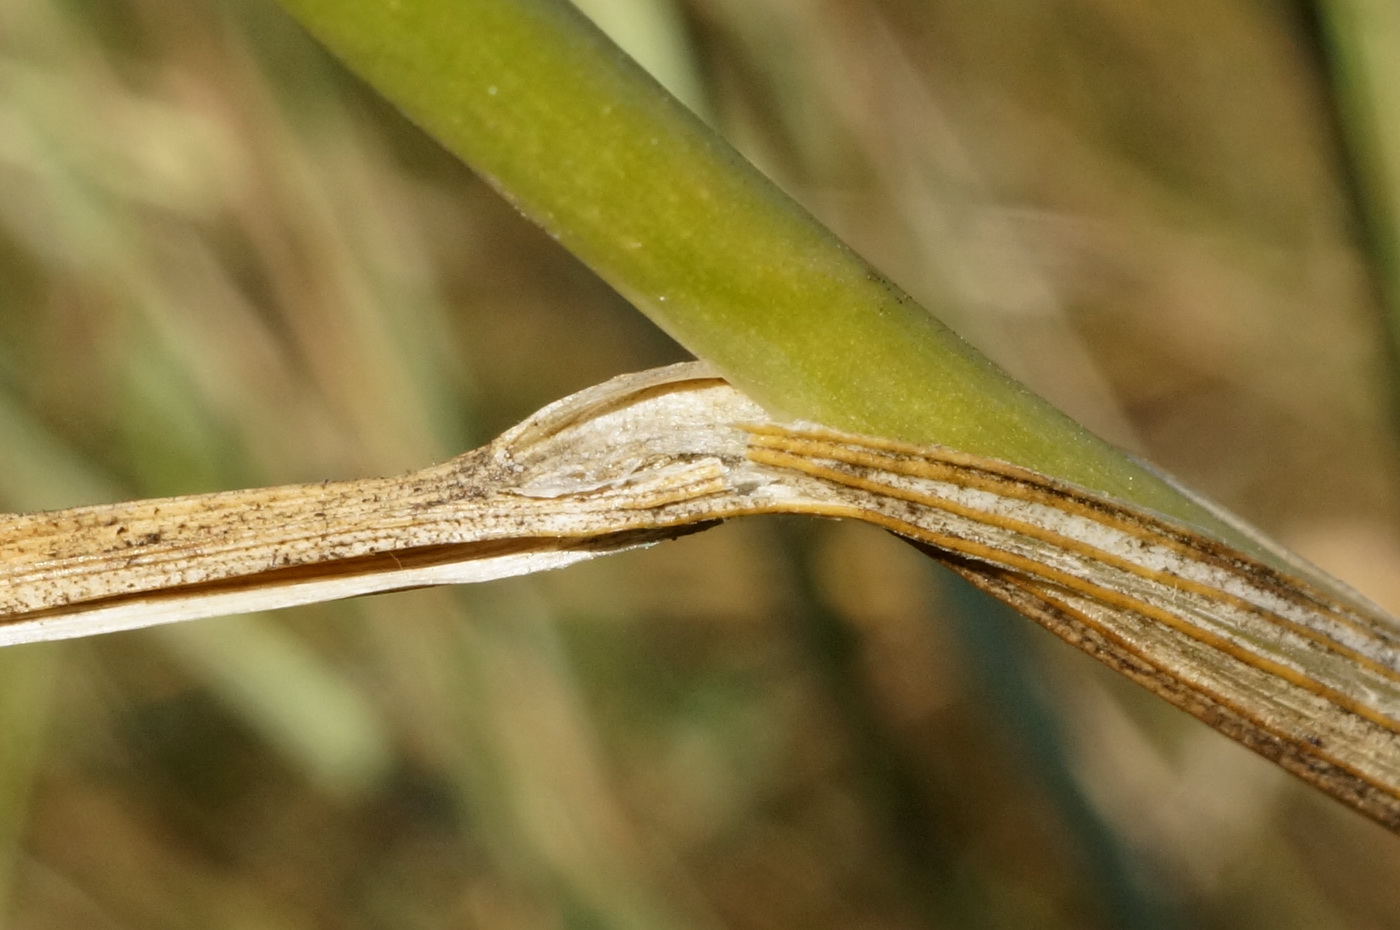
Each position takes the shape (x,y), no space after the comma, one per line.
(583,142)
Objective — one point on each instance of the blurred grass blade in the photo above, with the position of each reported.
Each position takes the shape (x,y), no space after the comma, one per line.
(28,686)
(1308,677)
(1363,38)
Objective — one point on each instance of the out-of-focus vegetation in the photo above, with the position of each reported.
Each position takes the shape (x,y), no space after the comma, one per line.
(223,263)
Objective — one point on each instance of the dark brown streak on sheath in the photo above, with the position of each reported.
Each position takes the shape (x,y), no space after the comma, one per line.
(1302,758)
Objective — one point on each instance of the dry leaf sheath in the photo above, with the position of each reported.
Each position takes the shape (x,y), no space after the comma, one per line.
(1302,671)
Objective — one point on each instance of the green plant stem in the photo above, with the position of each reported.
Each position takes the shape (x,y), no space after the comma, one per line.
(583,142)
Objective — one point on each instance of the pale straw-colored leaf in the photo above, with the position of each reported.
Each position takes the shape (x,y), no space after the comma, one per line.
(1274,655)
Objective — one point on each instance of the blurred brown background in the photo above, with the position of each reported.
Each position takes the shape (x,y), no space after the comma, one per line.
(224,263)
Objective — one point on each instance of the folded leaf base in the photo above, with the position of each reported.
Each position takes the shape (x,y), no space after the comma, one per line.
(1300,669)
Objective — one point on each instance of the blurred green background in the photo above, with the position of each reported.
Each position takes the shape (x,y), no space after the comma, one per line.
(223,263)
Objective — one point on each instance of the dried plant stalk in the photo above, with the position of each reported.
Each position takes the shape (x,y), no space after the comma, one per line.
(1297,668)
